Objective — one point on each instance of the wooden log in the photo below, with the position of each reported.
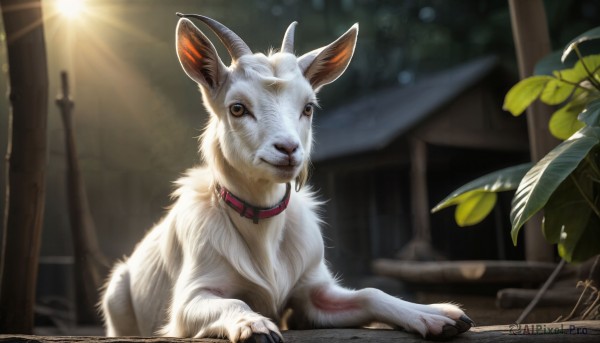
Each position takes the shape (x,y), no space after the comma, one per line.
(579,331)
(519,298)
(465,271)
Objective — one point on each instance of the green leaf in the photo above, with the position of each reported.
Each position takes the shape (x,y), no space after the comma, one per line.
(572,72)
(579,73)
(541,181)
(592,63)
(587,65)
(550,63)
(566,210)
(564,122)
(591,113)
(584,43)
(569,220)
(588,131)
(556,92)
(475,208)
(574,75)
(502,180)
(579,246)
(524,93)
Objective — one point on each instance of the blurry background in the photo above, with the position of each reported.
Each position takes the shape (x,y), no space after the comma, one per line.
(138,116)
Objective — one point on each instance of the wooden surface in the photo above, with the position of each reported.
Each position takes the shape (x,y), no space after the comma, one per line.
(582,331)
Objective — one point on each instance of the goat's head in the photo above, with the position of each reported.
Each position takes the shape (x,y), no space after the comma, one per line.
(261,106)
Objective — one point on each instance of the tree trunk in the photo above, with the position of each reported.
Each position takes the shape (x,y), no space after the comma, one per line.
(26,163)
(532,42)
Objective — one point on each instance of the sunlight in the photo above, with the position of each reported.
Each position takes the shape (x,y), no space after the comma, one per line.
(85,40)
(70,8)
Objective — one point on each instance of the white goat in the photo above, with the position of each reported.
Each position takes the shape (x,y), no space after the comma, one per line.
(220,266)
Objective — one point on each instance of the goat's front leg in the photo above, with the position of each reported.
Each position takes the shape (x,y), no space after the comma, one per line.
(322,303)
(207,316)
(202,311)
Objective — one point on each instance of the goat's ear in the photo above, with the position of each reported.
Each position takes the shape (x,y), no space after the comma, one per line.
(198,56)
(325,65)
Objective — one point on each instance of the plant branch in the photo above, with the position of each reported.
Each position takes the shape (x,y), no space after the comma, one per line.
(592,79)
(597,300)
(592,306)
(574,84)
(541,292)
(593,165)
(580,301)
(587,199)
(593,269)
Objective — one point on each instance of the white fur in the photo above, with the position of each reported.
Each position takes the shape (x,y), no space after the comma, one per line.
(205,271)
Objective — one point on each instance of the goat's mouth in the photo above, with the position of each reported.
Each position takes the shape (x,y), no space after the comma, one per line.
(287,169)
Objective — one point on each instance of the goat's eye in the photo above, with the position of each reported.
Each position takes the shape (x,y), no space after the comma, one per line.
(237,110)
(308,110)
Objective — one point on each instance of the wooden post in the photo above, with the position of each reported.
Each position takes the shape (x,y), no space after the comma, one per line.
(25,162)
(91,266)
(418,190)
(532,42)
(374,225)
(419,248)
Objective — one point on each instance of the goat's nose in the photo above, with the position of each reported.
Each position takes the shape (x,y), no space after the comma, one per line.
(287,148)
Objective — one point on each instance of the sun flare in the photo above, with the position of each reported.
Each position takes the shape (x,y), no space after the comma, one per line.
(70,8)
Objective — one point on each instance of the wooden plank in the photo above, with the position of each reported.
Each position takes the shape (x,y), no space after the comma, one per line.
(464,271)
(578,331)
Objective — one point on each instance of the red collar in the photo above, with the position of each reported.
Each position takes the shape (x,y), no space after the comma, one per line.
(250,211)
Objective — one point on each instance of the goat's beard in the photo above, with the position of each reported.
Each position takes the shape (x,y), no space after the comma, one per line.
(302,177)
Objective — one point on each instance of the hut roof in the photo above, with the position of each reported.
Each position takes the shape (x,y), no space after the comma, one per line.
(373,122)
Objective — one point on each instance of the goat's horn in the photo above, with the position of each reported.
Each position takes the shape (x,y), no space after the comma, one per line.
(288,39)
(233,43)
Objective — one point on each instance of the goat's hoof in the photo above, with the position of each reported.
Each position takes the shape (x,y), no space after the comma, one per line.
(272,337)
(463,324)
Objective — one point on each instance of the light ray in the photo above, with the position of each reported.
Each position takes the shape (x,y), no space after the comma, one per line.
(70,9)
